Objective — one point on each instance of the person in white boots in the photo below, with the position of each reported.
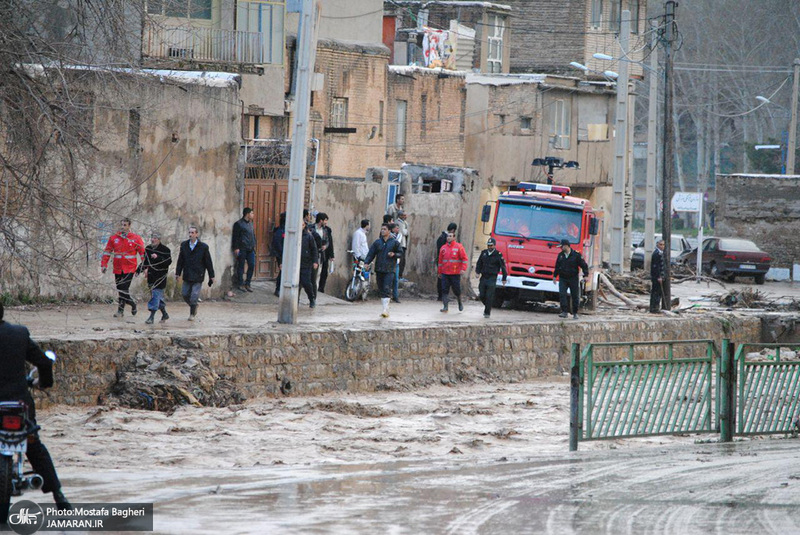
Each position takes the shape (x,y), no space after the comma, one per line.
(385,251)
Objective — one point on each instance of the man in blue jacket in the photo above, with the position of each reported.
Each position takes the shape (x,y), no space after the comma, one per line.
(385,251)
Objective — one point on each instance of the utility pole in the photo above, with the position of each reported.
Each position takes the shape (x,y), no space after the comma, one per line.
(792,145)
(669,147)
(620,149)
(307,51)
(652,139)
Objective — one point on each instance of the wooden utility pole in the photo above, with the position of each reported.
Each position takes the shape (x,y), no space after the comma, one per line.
(668,173)
(290,280)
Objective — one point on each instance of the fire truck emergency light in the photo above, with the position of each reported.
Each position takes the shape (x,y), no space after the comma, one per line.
(546,188)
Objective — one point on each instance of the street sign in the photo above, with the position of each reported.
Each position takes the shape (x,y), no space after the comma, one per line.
(687,202)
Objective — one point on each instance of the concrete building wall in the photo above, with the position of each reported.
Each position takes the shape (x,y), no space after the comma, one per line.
(183,172)
(356,73)
(359,21)
(764,209)
(435,109)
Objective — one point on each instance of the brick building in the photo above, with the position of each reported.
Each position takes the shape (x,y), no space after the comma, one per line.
(552,33)
(426,111)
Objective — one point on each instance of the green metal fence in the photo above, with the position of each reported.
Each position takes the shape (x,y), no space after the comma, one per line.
(768,397)
(626,398)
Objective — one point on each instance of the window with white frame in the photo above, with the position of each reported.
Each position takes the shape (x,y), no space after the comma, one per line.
(400,125)
(338,113)
(561,124)
(634,8)
(265,18)
(187,9)
(597,14)
(494,58)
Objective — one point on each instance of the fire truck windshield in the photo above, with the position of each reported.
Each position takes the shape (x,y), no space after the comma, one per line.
(538,222)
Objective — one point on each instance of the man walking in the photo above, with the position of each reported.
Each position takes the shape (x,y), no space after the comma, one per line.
(567,265)
(326,250)
(440,241)
(193,262)
(657,278)
(385,251)
(244,249)
(157,258)
(452,262)
(276,249)
(490,263)
(309,258)
(125,248)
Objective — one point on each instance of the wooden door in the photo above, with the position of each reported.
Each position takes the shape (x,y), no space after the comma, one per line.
(267,198)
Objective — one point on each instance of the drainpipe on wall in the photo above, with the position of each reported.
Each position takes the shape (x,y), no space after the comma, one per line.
(315,141)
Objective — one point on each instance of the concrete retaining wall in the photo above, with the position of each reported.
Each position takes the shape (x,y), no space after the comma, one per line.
(358,360)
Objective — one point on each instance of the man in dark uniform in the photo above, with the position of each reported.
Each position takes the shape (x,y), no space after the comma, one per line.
(490,263)
(657,278)
(16,347)
(567,265)
(276,249)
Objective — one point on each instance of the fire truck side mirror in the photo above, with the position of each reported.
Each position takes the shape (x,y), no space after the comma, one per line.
(486,213)
(594,226)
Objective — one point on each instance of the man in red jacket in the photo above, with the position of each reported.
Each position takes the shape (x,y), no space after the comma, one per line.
(124,247)
(452,262)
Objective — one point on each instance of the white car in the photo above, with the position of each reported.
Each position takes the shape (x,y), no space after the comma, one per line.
(679,245)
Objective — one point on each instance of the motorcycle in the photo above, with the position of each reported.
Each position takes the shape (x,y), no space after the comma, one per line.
(358,287)
(15,428)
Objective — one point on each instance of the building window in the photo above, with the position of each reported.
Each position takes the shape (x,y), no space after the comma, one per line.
(597,14)
(400,125)
(614,19)
(338,113)
(380,119)
(185,9)
(495,41)
(134,128)
(265,19)
(525,124)
(501,123)
(561,124)
(634,7)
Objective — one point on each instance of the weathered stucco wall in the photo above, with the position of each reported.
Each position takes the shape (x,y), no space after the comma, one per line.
(319,361)
(764,209)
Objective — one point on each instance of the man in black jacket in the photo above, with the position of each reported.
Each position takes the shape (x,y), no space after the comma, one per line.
(309,261)
(657,278)
(490,263)
(325,248)
(385,251)
(16,348)
(567,265)
(193,262)
(440,241)
(276,249)
(244,249)
(157,259)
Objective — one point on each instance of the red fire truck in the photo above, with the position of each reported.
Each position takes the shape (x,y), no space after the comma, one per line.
(528,226)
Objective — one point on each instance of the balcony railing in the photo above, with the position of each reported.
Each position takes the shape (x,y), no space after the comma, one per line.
(202,44)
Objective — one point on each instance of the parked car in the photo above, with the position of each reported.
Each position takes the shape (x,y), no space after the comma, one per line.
(679,245)
(730,258)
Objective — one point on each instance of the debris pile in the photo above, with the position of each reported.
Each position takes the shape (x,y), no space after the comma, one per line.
(768,354)
(753,298)
(170,378)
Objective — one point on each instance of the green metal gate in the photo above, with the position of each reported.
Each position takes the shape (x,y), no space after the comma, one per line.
(768,397)
(626,398)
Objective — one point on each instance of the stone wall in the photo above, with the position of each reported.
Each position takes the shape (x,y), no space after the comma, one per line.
(764,209)
(358,360)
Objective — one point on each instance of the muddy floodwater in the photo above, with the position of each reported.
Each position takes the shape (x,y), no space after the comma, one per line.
(481,458)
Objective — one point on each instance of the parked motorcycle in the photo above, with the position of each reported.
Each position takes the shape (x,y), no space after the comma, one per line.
(358,287)
(15,427)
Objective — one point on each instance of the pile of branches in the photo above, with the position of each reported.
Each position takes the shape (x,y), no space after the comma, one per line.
(753,298)
(170,378)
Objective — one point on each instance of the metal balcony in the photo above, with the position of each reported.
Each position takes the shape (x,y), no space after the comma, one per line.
(200,44)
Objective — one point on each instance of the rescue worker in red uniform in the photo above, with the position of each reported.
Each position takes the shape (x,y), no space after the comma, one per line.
(124,247)
(452,262)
